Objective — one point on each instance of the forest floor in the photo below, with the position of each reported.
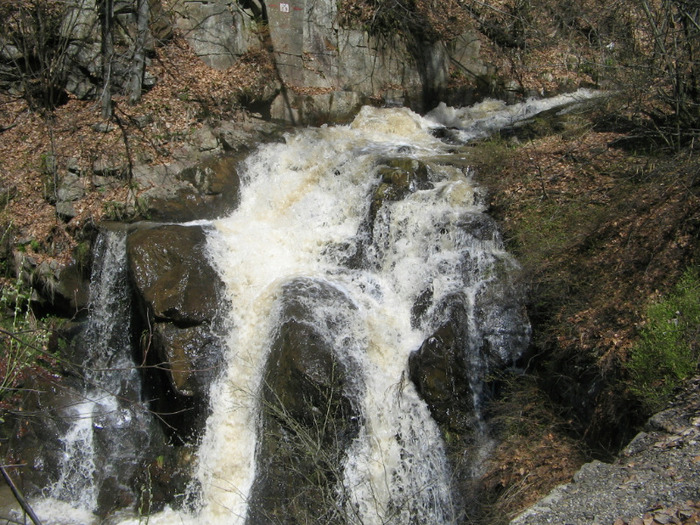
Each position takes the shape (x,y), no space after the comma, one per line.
(603,226)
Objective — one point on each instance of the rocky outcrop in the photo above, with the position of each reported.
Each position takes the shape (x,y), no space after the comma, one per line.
(184,192)
(441,373)
(202,181)
(653,479)
(219,31)
(82,32)
(180,296)
(325,69)
(310,411)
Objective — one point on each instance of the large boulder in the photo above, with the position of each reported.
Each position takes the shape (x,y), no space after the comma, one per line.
(310,409)
(477,331)
(180,295)
(441,372)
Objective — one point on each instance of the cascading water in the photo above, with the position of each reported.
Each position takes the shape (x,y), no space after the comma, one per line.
(108,413)
(319,209)
(372,240)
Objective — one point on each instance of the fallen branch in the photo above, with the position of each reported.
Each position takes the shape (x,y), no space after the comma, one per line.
(19,497)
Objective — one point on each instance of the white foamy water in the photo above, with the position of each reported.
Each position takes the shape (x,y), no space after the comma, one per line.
(298,199)
(302,213)
(73,497)
(484,118)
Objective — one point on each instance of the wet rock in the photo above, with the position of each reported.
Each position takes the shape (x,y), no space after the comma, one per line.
(129,436)
(440,371)
(180,296)
(192,355)
(35,439)
(473,336)
(164,480)
(310,411)
(117,438)
(169,268)
(399,177)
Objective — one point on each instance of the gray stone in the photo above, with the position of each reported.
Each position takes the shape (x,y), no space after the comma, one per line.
(110,167)
(70,189)
(218,30)
(658,468)
(205,140)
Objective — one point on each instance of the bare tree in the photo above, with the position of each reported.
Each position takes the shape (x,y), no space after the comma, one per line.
(107,14)
(33,49)
(138,65)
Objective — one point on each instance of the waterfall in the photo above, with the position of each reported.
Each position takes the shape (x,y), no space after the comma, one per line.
(108,408)
(310,212)
(373,239)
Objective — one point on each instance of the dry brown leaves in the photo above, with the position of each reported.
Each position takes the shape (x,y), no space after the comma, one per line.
(533,455)
(687,513)
(187,92)
(529,469)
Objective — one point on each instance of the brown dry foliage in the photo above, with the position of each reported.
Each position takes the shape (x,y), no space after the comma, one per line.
(187,93)
(600,230)
(534,454)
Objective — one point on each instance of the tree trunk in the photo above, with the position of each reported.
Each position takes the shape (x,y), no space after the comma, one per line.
(139,59)
(107,55)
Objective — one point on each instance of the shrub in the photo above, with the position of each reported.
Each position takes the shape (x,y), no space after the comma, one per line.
(669,346)
(22,339)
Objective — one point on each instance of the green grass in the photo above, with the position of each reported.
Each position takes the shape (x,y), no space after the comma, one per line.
(669,346)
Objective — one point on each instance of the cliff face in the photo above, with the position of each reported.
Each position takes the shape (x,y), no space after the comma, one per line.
(322,70)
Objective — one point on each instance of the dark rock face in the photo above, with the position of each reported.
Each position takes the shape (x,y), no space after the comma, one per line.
(462,350)
(204,190)
(473,333)
(168,266)
(126,434)
(399,177)
(310,412)
(180,296)
(36,432)
(441,373)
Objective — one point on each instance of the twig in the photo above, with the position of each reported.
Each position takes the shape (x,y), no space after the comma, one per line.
(19,497)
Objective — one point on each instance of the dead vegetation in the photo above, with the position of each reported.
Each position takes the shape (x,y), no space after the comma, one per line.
(602,227)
